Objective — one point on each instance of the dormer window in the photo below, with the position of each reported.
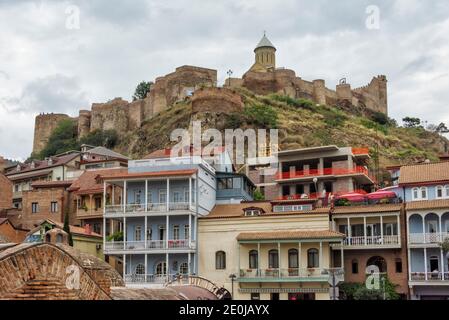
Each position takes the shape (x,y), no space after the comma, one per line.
(18,167)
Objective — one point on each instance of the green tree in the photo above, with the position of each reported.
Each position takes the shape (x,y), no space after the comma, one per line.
(258,195)
(142,90)
(67,228)
(410,122)
(62,139)
(106,138)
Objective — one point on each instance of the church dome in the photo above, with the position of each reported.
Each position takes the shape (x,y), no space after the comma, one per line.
(264,43)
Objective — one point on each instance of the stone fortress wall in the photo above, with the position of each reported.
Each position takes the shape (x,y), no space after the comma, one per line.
(200,86)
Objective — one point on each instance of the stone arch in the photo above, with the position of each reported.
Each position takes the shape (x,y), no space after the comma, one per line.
(379,262)
(26,270)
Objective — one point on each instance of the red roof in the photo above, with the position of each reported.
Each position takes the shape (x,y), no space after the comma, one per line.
(43,164)
(51,184)
(88,182)
(150,174)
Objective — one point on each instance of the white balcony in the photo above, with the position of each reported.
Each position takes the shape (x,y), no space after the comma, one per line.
(427,238)
(142,279)
(150,245)
(136,209)
(290,274)
(370,242)
(429,276)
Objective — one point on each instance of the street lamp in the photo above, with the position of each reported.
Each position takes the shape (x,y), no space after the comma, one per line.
(232,277)
(315,180)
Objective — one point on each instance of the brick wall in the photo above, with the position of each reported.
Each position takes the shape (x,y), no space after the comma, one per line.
(5,193)
(216,100)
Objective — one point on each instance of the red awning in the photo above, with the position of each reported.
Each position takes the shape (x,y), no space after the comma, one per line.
(381,194)
(352,196)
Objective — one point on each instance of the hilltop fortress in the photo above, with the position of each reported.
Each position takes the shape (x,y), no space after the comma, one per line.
(200,86)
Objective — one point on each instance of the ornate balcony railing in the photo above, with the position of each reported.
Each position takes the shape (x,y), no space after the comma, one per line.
(150,245)
(371,241)
(289,273)
(421,238)
(150,207)
(323,172)
(430,276)
(149,278)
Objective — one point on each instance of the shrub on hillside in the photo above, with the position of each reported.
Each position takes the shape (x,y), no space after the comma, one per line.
(261,115)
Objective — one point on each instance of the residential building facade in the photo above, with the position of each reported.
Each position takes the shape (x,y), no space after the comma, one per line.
(425,188)
(259,251)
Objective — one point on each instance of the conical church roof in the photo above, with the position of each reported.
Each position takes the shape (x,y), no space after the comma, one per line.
(264,42)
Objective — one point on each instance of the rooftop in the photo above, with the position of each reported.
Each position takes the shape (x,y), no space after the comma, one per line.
(264,42)
(88,182)
(290,235)
(424,173)
(428,204)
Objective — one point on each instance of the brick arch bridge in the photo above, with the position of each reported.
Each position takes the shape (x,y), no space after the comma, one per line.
(41,271)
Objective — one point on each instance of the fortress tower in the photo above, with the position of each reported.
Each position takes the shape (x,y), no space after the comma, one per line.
(265,56)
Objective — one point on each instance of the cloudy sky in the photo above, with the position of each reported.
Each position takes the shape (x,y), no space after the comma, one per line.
(48,64)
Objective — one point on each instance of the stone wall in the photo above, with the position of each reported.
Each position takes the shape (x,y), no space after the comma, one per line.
(43,127)
(216,100)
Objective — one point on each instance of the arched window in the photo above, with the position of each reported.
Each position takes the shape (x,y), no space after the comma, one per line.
(220,260)
(161,268)
(273,259)
(423,192)
(293,261)
(379,262)
(140,269)
(253,259)
(312,258)
(47,237)
(439,192)
(415,193)
(184,268)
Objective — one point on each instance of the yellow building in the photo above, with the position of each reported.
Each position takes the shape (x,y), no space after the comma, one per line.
(274,250)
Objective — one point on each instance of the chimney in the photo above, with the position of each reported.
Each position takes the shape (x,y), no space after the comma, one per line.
(87,229)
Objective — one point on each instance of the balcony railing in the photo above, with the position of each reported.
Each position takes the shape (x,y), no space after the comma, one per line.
(323,172)
(150,245)
(371,241)
(149,278)
(431,276)
(151,207)
(290,273)
(421,238)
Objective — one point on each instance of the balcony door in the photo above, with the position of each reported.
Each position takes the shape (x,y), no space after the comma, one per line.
(434,264)
(162,233)
(432,226)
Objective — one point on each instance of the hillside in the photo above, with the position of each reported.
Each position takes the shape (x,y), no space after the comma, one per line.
(301,124)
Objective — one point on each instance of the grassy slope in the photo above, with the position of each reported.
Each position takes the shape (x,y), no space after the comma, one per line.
(300,124)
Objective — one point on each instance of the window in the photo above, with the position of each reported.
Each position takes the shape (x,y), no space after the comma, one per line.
(446,191)
(225,183)
(59,238)
(398,264)
(161,268)
(252,212)
(312,258)
(273,259)
(274,296)
(137,197)
(149,233)
(255,296)
(161,233)
(177,196)
(423,192)
(97,203)
(439,192)
(150,197)
(175,232)
(35,207)
(415,193)
(389,229)
(186,195)
(355,266)
(16,188)
(184,268)
(162,196)
(97,228)
(220,260)
(138,233)
(54,207)
(293,258)
(140,269)
(186,232)
(253,259)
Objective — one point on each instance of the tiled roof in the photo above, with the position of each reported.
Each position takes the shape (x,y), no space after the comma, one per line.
(223,211)
(290,234)
(428,204)
(150,174)
(88,183)
(73,229)
(43,164)
(30,175)
(102,151)
(378,208)
(264,42)
(425,172)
